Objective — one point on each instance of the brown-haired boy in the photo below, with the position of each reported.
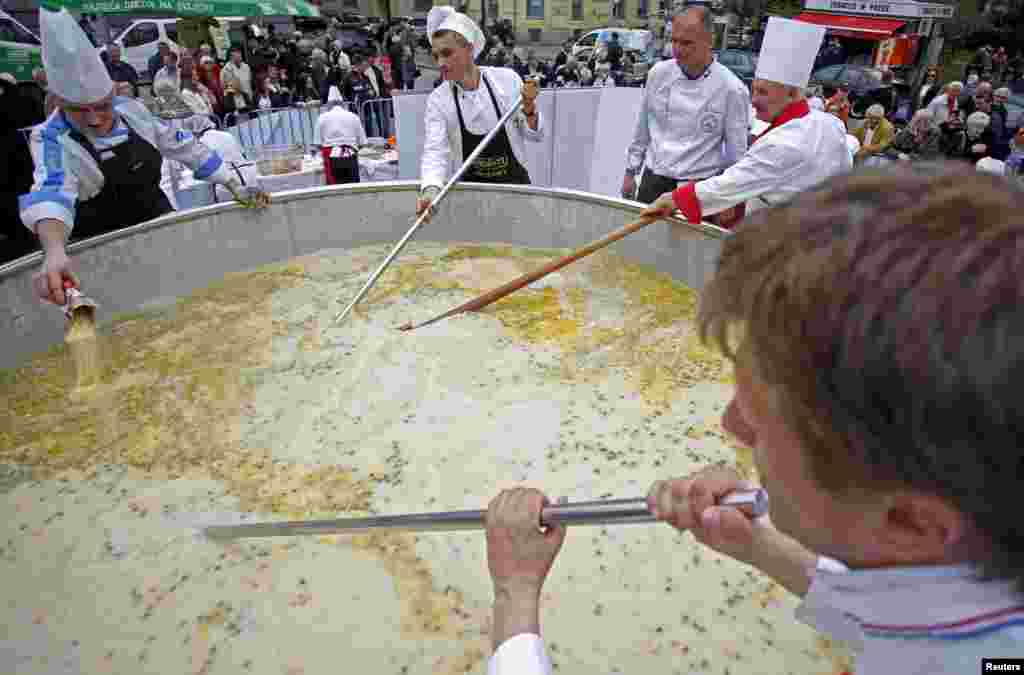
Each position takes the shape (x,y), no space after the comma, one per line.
(877,330)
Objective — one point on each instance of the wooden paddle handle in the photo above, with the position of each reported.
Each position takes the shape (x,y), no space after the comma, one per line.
(500,292)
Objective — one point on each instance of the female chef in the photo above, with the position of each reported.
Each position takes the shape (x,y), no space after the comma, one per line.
(98,156)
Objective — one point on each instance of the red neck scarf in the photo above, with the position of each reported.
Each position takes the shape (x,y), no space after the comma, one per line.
(794,110)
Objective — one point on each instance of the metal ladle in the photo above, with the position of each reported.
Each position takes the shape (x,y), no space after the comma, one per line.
(752,503)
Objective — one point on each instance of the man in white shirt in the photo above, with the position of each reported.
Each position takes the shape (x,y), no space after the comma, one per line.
(467,105)
(946,102)
(800,149)
(341,135)
(238,73)
(694,117)
(168,79)
(846,404)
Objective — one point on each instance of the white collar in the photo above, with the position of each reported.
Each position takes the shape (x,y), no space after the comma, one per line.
(936,601)
(460,88)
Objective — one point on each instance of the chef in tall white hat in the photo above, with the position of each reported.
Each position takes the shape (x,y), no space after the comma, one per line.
(467,105)
(800,148)
(98,156)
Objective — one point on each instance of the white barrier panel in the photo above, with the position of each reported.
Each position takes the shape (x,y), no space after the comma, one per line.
(294,126)
(616,120)
(587,134)
(538,155)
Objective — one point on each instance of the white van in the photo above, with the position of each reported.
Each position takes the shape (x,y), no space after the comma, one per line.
(140,39)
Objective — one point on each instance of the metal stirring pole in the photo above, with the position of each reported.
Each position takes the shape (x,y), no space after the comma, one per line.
(753,503)
(437,200)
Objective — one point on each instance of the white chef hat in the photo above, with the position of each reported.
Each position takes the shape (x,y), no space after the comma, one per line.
(75,71)
(446,18)
(990,165)
(788,51)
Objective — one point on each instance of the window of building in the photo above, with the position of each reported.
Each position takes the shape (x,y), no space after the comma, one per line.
(535,9)
(577,10)
(421,5)
(641,9)
(492,9)
(619,9)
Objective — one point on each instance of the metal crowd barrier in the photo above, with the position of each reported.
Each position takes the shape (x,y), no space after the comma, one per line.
(378,115)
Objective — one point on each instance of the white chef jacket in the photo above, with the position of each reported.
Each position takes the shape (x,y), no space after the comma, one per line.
(442,148)
(690,128)
(338,126)
(237,164)
(938,620)
(801,149)
(65,172)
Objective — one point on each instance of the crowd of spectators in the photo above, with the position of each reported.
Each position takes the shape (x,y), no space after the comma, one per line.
(961,120)
(276,73)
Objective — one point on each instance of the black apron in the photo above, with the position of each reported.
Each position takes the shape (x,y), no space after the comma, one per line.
(131,191)
(344,167)
(497,163)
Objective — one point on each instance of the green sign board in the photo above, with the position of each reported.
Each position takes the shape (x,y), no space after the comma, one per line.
(188,7)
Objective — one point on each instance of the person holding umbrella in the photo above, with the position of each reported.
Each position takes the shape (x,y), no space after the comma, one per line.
(467,105)
(98,157)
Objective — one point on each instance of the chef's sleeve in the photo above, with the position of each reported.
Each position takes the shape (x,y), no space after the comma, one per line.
(435,162)
(523,654)
(765,168)
(535,135)
(184,147)
(737,125)
(55,185)
(641,136)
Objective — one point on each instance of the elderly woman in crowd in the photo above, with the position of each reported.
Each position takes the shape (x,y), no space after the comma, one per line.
(918,141)
(979,140)
(875,136)
(946,103)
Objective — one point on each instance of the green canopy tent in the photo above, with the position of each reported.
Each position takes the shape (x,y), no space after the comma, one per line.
(195,16)
(186,8)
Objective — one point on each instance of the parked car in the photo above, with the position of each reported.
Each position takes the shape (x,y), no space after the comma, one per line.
(741,62)
(139,41)
(866,85)
(640,43)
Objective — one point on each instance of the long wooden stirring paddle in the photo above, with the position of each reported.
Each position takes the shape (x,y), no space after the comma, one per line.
(500,292)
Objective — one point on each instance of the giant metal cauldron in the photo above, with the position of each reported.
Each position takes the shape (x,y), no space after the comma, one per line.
(159,261)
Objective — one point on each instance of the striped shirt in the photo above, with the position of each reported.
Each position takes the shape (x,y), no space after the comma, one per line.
(65,172)
(939,620)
